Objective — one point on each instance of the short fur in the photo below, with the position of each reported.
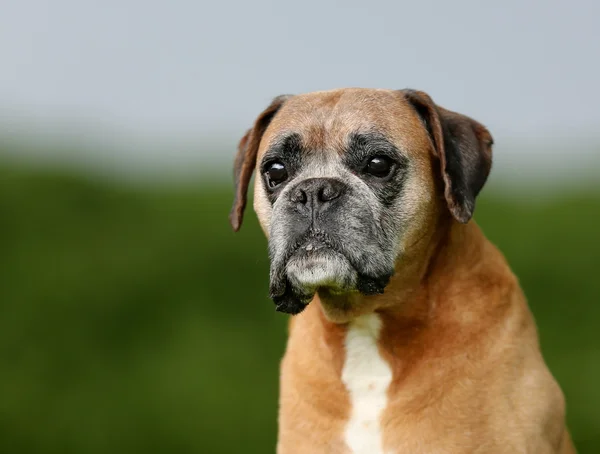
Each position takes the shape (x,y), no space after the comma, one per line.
(451,326)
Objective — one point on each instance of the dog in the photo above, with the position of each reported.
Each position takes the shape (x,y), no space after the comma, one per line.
(410,332)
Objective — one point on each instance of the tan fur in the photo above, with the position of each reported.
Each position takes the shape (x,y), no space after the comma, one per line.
(468,375)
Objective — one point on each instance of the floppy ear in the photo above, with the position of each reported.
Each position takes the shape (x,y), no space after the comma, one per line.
(464,148)
(245,160)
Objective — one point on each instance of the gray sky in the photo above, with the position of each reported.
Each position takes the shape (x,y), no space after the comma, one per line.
(185,70)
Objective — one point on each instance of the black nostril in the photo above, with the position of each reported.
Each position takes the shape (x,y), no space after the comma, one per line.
(329,192)
(298,196)
(313,192)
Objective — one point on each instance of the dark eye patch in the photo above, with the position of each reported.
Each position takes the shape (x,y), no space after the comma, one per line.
(288,150)
(362,148)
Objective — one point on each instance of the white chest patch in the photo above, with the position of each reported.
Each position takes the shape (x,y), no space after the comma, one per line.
(367,377)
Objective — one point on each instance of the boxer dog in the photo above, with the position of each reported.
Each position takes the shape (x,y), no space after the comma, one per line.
(411,334)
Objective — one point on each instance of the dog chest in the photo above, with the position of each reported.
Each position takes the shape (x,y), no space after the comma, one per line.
(366,376)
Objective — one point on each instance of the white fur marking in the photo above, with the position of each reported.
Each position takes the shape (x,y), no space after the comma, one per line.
(367,377)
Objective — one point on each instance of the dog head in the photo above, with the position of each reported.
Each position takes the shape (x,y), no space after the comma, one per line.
(348,180)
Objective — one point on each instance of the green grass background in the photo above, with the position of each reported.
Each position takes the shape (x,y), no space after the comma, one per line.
(132,320)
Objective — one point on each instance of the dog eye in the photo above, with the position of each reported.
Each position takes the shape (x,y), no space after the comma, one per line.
(379,167)
(276,174)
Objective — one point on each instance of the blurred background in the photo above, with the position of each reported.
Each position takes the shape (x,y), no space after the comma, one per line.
(132,319)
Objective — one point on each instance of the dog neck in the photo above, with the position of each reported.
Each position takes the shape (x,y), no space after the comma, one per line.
(419,290)
(437,264)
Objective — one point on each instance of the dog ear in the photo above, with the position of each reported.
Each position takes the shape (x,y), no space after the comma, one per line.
(245,160)
(464,148)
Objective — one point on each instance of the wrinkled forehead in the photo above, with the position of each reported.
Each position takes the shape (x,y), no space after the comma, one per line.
(325,121)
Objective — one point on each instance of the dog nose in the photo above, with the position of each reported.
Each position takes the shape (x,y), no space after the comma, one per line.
(312,193)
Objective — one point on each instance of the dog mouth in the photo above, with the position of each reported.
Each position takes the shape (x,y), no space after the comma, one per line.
(316,263)
(312,262)
(313,241)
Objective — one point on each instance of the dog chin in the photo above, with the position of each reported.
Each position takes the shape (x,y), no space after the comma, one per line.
(325,271)
(324,268)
